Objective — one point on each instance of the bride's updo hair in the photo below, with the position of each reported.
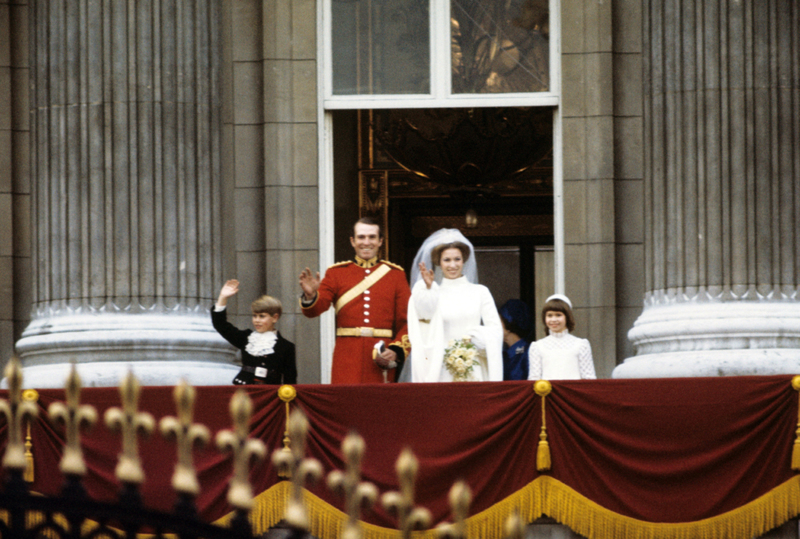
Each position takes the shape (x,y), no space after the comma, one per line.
(436,253)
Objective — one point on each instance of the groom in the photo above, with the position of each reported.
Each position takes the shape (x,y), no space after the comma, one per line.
(371,301)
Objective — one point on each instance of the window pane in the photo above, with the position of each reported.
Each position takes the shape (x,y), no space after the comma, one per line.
(380,47)
(500,46)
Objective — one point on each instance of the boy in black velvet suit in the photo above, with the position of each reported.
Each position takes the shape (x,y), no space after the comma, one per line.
(267,358)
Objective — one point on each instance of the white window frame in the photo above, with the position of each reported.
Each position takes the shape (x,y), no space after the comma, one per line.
(440,97)
(440,77)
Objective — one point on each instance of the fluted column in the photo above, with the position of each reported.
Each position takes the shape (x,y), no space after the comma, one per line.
(125,130)
(722,180)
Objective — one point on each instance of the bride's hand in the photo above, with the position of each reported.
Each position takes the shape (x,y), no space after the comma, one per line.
(427,275)
(476,338)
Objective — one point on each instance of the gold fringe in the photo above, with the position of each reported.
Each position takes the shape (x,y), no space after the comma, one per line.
(550,497)
(542,496)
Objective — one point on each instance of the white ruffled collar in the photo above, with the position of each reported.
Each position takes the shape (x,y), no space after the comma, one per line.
(559,334)
(261,344)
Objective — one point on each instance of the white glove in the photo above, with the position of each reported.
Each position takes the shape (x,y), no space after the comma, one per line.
(476,337)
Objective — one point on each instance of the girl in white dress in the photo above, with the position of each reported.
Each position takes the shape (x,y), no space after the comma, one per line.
(560,355)
(455,308)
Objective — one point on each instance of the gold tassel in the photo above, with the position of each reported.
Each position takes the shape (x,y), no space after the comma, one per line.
(543,388)
(796,448)
(287,394)
(543,453)
(796,453)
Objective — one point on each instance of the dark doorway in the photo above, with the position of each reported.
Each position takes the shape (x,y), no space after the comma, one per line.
(487,172)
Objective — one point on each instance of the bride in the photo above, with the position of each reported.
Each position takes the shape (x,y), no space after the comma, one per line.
(444,318)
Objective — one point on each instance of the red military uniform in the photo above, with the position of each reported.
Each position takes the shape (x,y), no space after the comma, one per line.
(382,309)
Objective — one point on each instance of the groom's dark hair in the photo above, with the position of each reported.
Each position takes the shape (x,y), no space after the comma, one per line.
(369,221)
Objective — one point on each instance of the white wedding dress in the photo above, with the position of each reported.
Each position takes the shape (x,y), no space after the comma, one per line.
(452,310)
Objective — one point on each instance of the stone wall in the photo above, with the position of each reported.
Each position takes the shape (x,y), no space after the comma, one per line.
(628,171)
(15,264)
(270,149)
(587,88)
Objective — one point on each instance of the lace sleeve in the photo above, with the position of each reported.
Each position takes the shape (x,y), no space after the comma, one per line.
(535,362)
(585,361)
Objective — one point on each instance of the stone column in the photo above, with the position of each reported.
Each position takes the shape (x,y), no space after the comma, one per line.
(125,172)
(722,190)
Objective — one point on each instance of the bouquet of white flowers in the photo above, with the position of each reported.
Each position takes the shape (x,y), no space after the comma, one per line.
(460,357)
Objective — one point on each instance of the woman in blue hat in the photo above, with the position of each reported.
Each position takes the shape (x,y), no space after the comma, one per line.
(516,319)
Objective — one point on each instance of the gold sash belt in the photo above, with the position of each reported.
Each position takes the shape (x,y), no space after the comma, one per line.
(363,332)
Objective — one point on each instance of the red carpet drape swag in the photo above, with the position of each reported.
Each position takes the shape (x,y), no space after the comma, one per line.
(661,451)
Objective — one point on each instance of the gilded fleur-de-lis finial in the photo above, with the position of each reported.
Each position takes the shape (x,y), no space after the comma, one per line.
(186,435)
(356,494)
(302,470)
(460,499)
(16,410)
(401,503)
(514,527)
(244,449)
(29,395)
(130,422)
(73,416)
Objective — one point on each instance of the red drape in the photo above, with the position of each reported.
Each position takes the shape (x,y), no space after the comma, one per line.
(660,450)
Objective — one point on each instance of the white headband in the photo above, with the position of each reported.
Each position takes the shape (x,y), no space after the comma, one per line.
(562,297)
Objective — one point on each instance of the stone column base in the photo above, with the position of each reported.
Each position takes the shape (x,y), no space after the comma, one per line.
(715,339)
(161,349)
(111,373)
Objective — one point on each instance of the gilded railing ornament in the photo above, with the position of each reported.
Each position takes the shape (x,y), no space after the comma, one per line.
(73,417)
(29,395)
(460,498)
(357,494)
(131,423)
(243,448)
(514,527)
(187,435)
(287,394)
(543,461)
(301,470)
(401,503)
(17,410)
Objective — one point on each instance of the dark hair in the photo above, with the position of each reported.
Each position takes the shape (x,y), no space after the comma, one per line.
(267,304)
(368,221)
(436,254)
(561,307)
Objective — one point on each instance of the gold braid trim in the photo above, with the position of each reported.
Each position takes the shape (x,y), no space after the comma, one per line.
(395,266)
(548,496)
